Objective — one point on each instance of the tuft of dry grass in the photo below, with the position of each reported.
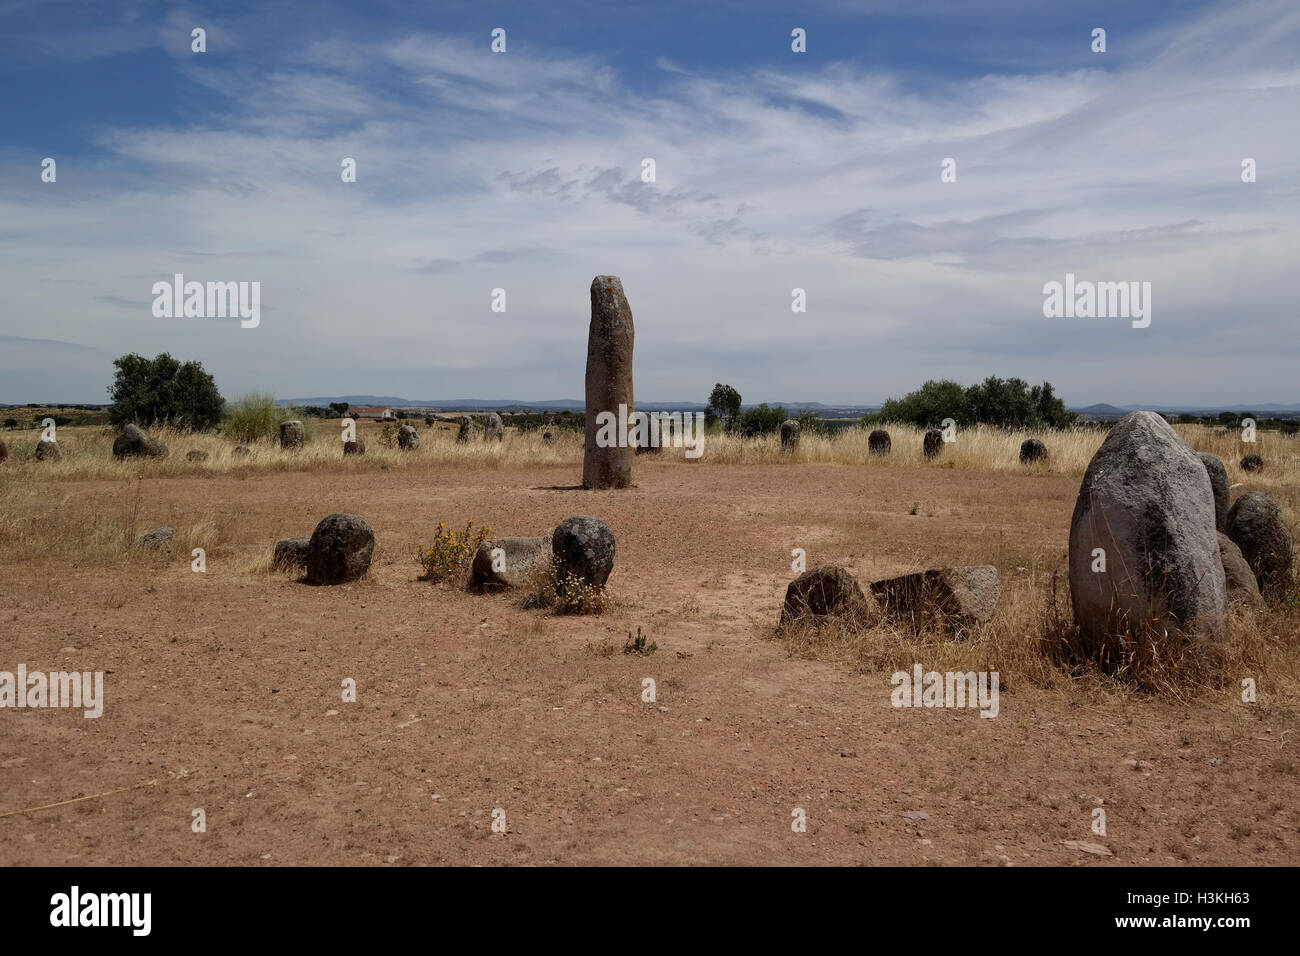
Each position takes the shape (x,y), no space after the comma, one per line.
(1025,639)
(552,588)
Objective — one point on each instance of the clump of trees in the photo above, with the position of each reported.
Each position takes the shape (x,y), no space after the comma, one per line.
(1006,403)
(163,391)
(723,410)
(723,406)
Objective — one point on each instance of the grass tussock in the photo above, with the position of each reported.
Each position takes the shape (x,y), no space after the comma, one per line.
(552,588)
(1030,639)
(640,645)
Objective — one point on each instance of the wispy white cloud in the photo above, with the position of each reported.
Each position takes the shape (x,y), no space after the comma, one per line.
(523,171)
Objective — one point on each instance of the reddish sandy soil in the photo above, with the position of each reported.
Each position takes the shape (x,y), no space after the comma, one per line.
(224,689)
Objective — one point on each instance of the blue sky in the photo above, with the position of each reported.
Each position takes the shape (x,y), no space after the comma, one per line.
(775,170)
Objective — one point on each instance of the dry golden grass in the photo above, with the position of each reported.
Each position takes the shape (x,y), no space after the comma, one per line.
(87,452)
(984,448)
(1020,643)
(36,519)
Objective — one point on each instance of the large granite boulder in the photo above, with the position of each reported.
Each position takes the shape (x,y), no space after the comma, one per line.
(1219,485)
(1032,450)
(340,550)
(1242,586)
(932,443)
(1144,519)
(292,435)
(584,547)
(135,442)
(1256,526)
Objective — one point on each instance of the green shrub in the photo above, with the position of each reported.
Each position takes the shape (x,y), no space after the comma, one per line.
(162,390)
(256,416)
(760,420)
(639,645)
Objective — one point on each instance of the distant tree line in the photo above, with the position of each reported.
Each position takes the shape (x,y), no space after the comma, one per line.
(564,420)
(163,390)
(1287,426)
(1005,403)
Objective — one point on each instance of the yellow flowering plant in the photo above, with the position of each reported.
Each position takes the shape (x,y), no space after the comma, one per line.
(451,552)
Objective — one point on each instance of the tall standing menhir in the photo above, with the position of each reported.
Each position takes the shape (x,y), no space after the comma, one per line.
(609,383)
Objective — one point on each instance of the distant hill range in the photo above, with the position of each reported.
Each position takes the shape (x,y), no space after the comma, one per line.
(557,405)
(1101,412)
(1098,412)
(1104,413)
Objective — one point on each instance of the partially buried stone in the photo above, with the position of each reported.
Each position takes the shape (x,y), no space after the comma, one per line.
(290,553)
(509,562)
(158,538)
(826,592)
(340,550)
(584,548)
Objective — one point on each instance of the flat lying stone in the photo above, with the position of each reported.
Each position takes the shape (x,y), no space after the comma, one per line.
(827,592)
(513,567)
(941,597)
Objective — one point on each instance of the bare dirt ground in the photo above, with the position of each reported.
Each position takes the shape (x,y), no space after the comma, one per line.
(223,692)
